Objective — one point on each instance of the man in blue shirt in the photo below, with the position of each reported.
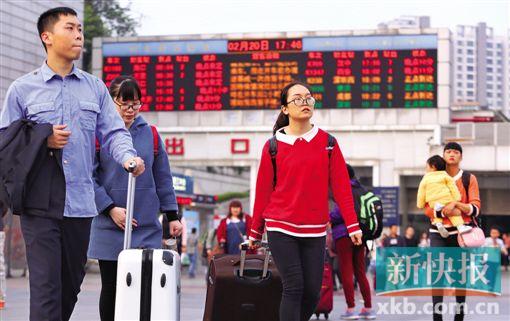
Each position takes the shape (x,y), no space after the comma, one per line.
(80,109)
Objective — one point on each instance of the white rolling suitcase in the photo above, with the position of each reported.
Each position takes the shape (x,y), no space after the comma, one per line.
(148,280)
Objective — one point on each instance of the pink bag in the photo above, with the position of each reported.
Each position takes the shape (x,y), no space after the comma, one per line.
(472,238)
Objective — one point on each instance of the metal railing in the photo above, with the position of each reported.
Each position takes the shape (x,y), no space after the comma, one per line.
(477,133)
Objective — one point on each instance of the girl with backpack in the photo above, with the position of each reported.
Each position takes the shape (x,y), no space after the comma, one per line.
(154,194)
(351,258)
(298,166)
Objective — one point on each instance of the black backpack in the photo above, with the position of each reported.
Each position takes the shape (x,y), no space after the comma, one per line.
(273,150)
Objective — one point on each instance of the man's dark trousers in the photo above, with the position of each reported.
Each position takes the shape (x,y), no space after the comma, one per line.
(56,256)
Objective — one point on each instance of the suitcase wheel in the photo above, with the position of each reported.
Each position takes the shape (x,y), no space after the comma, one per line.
(326,316)
(163,280)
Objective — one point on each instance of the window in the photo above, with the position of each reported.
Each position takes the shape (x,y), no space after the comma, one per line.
(470,85)
(459,59)
(489,94)
(470,43)
(499,46)
(460,43)
(490,61)
(489,69)
(470,68)
(459,93)
(459,51)
(470,52)
(470,60)
(459,85)
(489,45)
(459,68)
(470,77)
(470,93)
(489,78)
(499,95)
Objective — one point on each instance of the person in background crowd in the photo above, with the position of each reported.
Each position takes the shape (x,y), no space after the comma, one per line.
(212,246)
(291,200)
(393,239)
(495,241)
(351,258)
(410,237)
(191,250)
(234,228)
(182,240)
(506,240)
(154,194)
(80,109)
(424,240)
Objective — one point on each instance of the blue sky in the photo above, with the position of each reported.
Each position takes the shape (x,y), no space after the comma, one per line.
(160,17)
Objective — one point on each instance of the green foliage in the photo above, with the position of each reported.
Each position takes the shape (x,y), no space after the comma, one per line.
(105,19)
(232,195)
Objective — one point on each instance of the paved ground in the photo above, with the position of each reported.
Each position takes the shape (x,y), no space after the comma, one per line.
(193,298)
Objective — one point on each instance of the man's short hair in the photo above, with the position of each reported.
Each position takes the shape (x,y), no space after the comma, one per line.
(454,146)
(49,18)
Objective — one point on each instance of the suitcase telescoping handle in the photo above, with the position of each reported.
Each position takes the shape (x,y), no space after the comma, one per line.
(130,202)
(244,248)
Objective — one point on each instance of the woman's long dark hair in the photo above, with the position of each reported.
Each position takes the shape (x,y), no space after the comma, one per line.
(283,120)
(125,87)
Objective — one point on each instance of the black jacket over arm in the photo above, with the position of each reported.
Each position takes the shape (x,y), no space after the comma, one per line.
(33,181)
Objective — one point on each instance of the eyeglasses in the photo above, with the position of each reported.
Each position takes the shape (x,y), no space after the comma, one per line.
(125,107)
(309,101)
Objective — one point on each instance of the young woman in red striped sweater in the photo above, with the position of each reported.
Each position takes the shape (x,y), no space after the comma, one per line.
(295,210)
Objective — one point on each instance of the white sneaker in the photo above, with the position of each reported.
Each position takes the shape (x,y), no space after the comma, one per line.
(442,230)
(464,228)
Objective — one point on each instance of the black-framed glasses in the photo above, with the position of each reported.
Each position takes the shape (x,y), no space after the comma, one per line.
(299,101)
(125,107)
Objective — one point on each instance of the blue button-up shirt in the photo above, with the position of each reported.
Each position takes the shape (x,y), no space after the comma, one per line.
(82,102)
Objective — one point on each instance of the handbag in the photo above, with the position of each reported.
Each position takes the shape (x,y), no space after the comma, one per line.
(472,238)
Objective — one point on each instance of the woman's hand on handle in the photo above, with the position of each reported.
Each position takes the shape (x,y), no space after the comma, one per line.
(175,228)
(253,245)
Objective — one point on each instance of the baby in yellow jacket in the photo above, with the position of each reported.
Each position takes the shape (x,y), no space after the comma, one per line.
(438,189)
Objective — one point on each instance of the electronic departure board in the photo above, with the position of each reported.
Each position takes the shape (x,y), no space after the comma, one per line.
(248,74)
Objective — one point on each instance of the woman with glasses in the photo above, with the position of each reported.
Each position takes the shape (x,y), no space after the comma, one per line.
(293,206)
(154,194)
